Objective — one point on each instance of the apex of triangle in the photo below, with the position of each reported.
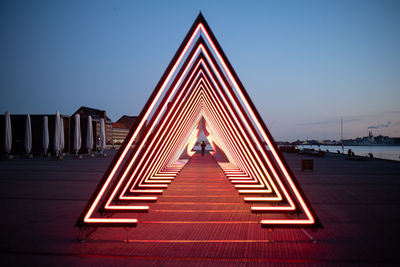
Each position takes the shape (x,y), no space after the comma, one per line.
(200,17)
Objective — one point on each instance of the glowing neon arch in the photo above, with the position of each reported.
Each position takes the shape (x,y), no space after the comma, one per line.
(198,83)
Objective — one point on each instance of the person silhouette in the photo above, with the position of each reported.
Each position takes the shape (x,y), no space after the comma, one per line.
(203,148)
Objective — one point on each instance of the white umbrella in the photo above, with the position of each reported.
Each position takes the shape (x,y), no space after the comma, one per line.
(77,133)
(8,135)
(102,136)
(62,135)
(45,139)
(28,135)
(89,134)
(57,133)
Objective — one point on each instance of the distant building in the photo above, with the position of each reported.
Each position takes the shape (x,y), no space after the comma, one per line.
(119,131)
(122,127)
(96,115)
(371,140)
(128,121)
(115,132)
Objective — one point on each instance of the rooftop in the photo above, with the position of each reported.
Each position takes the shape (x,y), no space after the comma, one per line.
(128,121)
(96,114)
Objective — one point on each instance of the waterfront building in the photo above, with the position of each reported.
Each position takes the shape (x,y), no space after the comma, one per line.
(96,115)
(121,128)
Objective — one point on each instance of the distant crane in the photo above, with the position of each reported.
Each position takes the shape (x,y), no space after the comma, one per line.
(341,128)
(341,133)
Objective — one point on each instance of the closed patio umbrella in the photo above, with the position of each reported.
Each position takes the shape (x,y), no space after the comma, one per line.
(77,134)
(89,135)
(28,135)
(102,136)
(57,134)
(8,135)
(45,140)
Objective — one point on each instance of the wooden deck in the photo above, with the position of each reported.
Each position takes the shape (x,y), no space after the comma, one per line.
(200,219)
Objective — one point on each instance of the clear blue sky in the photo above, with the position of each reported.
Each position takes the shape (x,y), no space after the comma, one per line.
(304,63)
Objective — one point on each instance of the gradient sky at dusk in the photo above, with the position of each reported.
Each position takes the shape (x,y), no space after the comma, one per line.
(304,63)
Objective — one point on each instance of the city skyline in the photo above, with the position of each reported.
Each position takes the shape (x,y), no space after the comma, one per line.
(305,65)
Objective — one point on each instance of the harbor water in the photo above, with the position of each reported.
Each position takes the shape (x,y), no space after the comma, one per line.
(382,152)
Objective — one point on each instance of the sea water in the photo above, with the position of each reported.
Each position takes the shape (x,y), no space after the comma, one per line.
(382,152)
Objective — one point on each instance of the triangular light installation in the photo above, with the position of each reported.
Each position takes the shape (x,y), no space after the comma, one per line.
(199,87)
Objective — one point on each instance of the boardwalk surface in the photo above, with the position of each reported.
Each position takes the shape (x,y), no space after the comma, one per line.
(200,219)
